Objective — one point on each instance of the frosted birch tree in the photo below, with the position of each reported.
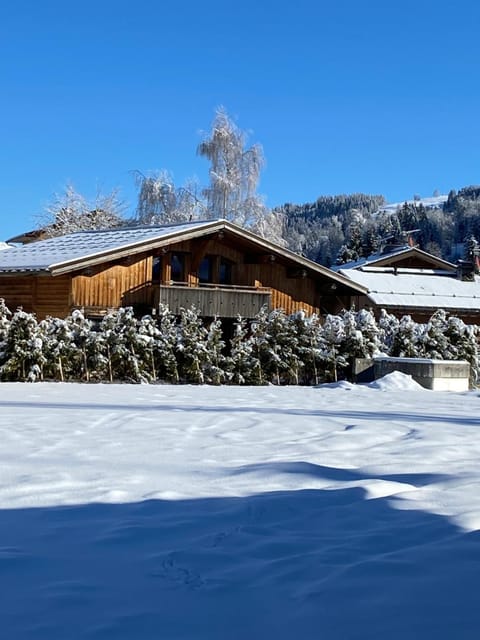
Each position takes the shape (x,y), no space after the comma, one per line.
(161,202)
(234,177)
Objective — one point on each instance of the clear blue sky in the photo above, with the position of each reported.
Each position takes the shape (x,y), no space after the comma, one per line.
(345,96)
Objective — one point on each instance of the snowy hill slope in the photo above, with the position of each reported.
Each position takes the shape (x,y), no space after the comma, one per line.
(434,202)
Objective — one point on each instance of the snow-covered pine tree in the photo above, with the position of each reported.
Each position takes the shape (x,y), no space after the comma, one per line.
(387,328)
(148,335)
(260,348)
(407,339)
(192,352)
(216,367)
(332,346)
(361,334)
(281,362)
(463,344)
(5,318)
(166,346)
(308,330)
(240,357)
(119,346)
(59,349)
(433,342)
(85,357)
(24,358)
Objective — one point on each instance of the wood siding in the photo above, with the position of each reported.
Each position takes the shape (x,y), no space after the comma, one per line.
(42,295)
(106,286)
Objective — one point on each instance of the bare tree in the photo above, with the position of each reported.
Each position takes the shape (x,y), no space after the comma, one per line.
(69,211)
(161,202)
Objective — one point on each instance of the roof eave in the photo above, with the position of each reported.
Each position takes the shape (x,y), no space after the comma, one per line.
(130,249)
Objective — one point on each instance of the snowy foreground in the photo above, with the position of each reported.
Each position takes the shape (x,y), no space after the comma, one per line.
(166,512)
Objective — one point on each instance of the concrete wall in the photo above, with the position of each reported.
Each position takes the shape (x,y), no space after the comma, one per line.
(437,375)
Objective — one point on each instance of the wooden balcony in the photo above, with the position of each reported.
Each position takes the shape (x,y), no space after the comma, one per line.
(222,301)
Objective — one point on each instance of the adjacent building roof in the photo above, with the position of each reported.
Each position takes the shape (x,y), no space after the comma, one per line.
(416,288)
(396,255)
(87,248)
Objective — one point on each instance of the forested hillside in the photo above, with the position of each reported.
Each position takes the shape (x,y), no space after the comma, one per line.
(336,229)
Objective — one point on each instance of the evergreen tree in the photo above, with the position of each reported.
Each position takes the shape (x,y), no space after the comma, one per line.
(192,352)
(59,349)
(85,356)
(5,316)
(119,345)
(407,339)
(23,353)
(433,339)
(166,344)
(241,362)
(215,368)
(331,346)
(260,348)
(387,328)
(308,330)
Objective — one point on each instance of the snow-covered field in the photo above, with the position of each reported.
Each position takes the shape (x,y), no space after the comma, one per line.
(336,512)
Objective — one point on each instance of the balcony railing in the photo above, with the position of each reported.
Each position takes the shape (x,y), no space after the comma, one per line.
(222,301)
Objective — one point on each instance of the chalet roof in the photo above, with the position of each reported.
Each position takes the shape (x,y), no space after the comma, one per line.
(416,289)
(87,248)
(401,253)
(45,255)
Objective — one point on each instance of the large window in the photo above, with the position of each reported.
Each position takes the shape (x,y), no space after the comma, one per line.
(177,264)
(205,270)
(156,269)
(225,271)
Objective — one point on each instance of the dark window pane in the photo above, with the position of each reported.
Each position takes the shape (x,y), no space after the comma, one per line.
(205,270)
(156,269)
(178,267)
(225,274)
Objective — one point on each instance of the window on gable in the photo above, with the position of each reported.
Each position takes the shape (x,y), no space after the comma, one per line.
(225,271)
(156,269)
(205,270)
(177,264)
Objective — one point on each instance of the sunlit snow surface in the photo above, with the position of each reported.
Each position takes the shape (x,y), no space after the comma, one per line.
(189,512)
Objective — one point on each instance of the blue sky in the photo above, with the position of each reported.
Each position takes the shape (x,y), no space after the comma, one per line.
(344,96)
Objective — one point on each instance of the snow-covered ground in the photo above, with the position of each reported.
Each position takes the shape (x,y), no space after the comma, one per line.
(338,512)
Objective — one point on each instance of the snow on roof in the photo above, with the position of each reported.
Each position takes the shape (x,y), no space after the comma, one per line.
(353,264)
(416,290)
(403,250)
(41,255)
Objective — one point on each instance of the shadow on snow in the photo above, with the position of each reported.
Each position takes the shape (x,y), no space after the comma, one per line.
(309,564)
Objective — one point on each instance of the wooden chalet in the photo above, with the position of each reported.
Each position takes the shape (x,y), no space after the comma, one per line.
(409,281)
(220,268)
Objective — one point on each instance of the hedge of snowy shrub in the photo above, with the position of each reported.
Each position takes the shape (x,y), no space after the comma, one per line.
(272,348)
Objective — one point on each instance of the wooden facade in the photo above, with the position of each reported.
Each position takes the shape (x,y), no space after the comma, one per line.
(224,273)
